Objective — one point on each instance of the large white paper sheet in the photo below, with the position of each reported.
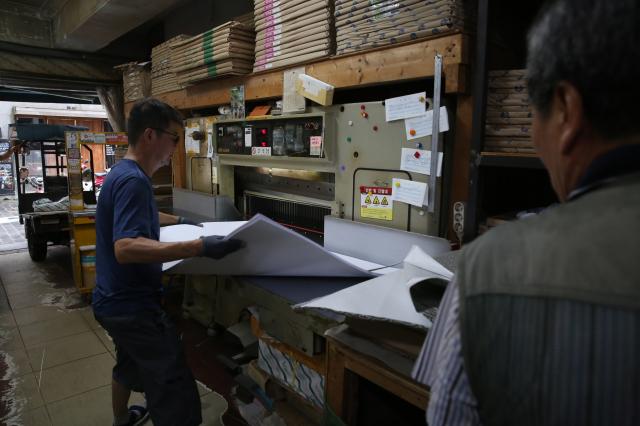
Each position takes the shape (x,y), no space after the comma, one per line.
(405,106)
(176,233)
(420,259)
(270,250)
(365,264)
(422,125)
(387,297)
(418,161)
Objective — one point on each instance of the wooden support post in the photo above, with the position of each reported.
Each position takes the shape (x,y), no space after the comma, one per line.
(461,157)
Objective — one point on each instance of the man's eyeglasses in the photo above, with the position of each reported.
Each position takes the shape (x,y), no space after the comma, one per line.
(174,136)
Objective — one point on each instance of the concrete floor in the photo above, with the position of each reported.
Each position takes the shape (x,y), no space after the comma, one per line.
(11,231)
(55,359)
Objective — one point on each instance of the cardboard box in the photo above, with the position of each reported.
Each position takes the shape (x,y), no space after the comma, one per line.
(314,89)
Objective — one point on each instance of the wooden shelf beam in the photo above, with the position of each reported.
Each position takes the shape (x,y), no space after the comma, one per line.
(402,62)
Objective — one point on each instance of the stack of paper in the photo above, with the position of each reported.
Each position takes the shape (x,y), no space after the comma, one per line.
(163,79)
(291,31)
(365,24)
(509,116)
(223,50)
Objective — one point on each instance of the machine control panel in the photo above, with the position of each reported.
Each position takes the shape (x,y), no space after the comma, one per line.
(291,137)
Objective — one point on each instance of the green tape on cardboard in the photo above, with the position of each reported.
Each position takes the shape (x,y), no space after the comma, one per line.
(211,70)
(207,46)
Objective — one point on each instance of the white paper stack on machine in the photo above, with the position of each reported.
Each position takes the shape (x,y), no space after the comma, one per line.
(291,32)
(363,24)
(223,50)
(509,117)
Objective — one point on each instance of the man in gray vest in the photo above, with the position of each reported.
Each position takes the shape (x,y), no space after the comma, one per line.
(541,324)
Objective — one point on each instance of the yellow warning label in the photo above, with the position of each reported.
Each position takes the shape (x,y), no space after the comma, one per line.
(379,208)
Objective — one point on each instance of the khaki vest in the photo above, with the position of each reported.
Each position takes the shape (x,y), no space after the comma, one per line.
(550,313)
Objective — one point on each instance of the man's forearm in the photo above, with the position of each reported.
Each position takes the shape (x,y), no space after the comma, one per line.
(145,250)
(167,219)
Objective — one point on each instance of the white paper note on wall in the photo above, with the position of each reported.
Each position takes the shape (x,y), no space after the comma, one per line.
(405,106)
(418,161)
(423,125)
(410,192)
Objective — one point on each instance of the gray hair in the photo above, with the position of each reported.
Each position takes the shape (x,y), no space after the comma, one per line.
(594,45)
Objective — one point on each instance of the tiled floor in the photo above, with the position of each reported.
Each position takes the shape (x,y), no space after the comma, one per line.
(55,360)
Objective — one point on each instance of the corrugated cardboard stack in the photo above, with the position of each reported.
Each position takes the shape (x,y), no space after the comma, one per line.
(163,79)
(292,31)
(135,80)
(223,50)
(246,20)
(366,24)
(509,117)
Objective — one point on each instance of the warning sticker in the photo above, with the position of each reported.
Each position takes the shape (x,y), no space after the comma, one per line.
(376,203)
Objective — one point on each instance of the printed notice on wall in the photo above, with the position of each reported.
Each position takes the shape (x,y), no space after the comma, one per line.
(405,106)
(376,203)
(418,161)
(421,126)
(410,192)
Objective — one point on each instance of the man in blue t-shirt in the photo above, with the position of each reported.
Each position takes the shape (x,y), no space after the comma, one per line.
(126,299)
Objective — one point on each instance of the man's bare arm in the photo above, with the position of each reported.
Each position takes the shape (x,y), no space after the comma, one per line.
(145,250)
(167,219)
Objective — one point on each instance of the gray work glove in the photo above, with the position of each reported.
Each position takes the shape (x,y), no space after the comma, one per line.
(186,221)
(216,247)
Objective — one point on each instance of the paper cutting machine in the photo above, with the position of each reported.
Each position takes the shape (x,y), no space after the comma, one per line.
(298,169)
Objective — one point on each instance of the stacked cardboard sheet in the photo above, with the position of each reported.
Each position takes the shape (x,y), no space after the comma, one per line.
(223,50)
(366,24)
(163,79)
(509,117)
(246,20)
(135,80)
(291,32)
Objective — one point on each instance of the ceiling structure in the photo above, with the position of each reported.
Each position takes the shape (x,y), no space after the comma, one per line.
(82,25)
(49,46)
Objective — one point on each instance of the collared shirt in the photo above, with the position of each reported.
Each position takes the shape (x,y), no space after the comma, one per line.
(440,363)
(440,366)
